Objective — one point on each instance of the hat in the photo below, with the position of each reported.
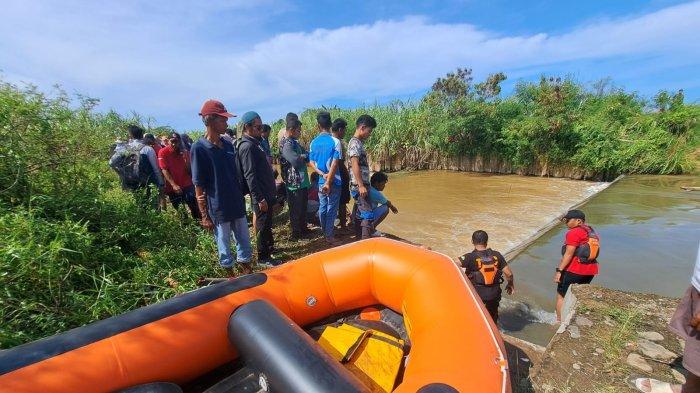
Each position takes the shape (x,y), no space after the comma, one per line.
(248,117)
(574,214)
(214,107)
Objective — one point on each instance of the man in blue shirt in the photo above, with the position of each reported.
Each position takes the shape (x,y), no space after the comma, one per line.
(325,154)
(217,187)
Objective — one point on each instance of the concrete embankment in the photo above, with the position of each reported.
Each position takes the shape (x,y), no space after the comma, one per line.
(412,159)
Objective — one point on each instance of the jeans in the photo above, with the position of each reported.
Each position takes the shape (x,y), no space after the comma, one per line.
(328,209)
(239,229)
(380,212)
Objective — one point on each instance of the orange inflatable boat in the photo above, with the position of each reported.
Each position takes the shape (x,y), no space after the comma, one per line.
(454,345)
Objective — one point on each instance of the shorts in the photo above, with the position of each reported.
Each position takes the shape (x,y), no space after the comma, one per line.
(568,278)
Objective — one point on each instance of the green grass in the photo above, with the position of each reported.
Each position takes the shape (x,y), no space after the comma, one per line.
(613,343)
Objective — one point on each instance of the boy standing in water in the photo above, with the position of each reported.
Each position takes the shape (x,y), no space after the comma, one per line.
(578,263)
(485,268)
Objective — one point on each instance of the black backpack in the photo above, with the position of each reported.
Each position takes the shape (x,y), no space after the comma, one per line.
(133,168)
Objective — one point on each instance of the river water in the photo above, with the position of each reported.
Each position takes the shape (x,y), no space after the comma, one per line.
(442,209)
(649,231)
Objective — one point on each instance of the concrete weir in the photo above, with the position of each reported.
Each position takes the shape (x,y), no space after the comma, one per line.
(514,251)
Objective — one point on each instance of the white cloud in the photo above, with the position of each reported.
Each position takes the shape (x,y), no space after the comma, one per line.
(163,58)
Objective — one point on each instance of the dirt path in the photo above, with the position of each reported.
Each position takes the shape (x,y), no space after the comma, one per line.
(612,335)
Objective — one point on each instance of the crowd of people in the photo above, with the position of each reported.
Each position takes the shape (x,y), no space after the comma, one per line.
(213,175)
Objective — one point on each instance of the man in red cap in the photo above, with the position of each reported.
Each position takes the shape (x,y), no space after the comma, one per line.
(218,188)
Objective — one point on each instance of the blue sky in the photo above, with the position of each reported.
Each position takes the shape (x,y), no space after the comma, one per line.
(163,58)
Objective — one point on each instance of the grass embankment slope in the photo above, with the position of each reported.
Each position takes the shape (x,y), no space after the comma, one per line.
(74,248)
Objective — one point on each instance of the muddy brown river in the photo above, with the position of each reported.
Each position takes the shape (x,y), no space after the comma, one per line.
(649,230)
(441,209)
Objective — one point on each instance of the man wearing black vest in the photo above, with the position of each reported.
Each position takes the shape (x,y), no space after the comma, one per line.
(485,268)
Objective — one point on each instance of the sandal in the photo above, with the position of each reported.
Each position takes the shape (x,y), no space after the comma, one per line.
(655,386)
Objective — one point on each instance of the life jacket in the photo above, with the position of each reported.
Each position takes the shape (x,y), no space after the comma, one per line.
(489,271)
(588,252)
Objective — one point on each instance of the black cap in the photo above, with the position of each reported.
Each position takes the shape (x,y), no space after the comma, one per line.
(574,214)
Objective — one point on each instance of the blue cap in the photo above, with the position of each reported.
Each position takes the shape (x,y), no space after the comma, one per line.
(248,117)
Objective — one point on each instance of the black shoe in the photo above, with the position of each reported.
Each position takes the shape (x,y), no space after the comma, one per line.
(269,262)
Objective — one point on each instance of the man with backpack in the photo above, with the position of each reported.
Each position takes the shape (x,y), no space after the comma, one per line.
(260,182)
(579,262)
(136,164)
(485,269)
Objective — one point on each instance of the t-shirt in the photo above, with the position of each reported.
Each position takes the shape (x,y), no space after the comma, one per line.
(576,237)
(376,197)
(324,149)
(356,148)
(469,264)
(178,165)
(214,169)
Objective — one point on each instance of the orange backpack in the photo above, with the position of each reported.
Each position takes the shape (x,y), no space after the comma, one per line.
(588,252)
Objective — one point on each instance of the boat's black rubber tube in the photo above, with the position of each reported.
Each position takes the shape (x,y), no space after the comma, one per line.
(290,359)
(37,351)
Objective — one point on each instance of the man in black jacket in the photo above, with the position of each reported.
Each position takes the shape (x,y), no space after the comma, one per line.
(260,183)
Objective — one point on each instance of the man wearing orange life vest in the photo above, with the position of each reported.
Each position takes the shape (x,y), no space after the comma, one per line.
(485,267)
(578,263)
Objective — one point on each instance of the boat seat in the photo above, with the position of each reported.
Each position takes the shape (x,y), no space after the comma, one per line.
(284,356)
